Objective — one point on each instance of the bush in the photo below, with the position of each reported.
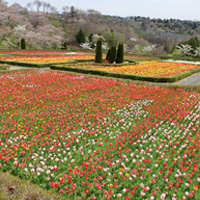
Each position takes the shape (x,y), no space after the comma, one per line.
(193,42)
(80,37)
(23,43)
(90,38)
(92,45)
(120,54)
(64,46)
(98,57)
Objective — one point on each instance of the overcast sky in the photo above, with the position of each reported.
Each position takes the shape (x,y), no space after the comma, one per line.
(176,9)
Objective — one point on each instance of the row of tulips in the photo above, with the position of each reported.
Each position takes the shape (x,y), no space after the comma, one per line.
(146,68)
(25,52)
(47,59)
(93,138)
(152,69)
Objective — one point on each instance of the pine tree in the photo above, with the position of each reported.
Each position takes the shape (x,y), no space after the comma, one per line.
(98,57)
(23,43)
(120,54)
(80,37)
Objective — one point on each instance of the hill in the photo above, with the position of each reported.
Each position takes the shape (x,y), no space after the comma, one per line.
(43,27)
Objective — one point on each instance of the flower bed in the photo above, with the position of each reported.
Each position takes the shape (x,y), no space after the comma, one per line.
(146,71)
(47,59)
(152,69)
(22,52)
(100,139)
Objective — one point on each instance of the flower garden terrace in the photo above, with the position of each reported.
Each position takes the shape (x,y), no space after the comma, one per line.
(145,69)
(46,59)
(100,139)
(40,53)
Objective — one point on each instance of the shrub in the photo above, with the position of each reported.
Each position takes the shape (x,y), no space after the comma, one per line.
(193,42)
(92,45)
(90,38)
(65,45)
(23,43)
(80,37)
(120,54)
(98,57)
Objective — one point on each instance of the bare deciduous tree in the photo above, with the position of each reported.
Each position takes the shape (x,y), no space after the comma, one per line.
(40,6)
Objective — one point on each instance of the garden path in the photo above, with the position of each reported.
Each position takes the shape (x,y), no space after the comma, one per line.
(193,80)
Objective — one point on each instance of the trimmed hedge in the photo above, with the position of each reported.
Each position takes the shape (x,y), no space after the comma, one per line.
(23,64)
(171,79)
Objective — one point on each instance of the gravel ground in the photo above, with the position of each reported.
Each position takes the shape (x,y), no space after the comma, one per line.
(18,67)
(12,68)
(193,80)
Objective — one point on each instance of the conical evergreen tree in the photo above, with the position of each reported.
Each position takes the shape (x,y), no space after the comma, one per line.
(98,57)
(108,55)
(80,37)
(120,54)
(23,43)
(113,53)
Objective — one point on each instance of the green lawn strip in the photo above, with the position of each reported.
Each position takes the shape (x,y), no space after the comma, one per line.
(170,79)
(13,188)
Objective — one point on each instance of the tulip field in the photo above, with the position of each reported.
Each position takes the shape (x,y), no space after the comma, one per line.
(25,52)
(46,59)
(145,68)
(95,138)
(152,69)
(40,53)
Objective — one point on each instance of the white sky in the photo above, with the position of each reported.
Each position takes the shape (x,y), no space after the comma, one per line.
(176,9)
